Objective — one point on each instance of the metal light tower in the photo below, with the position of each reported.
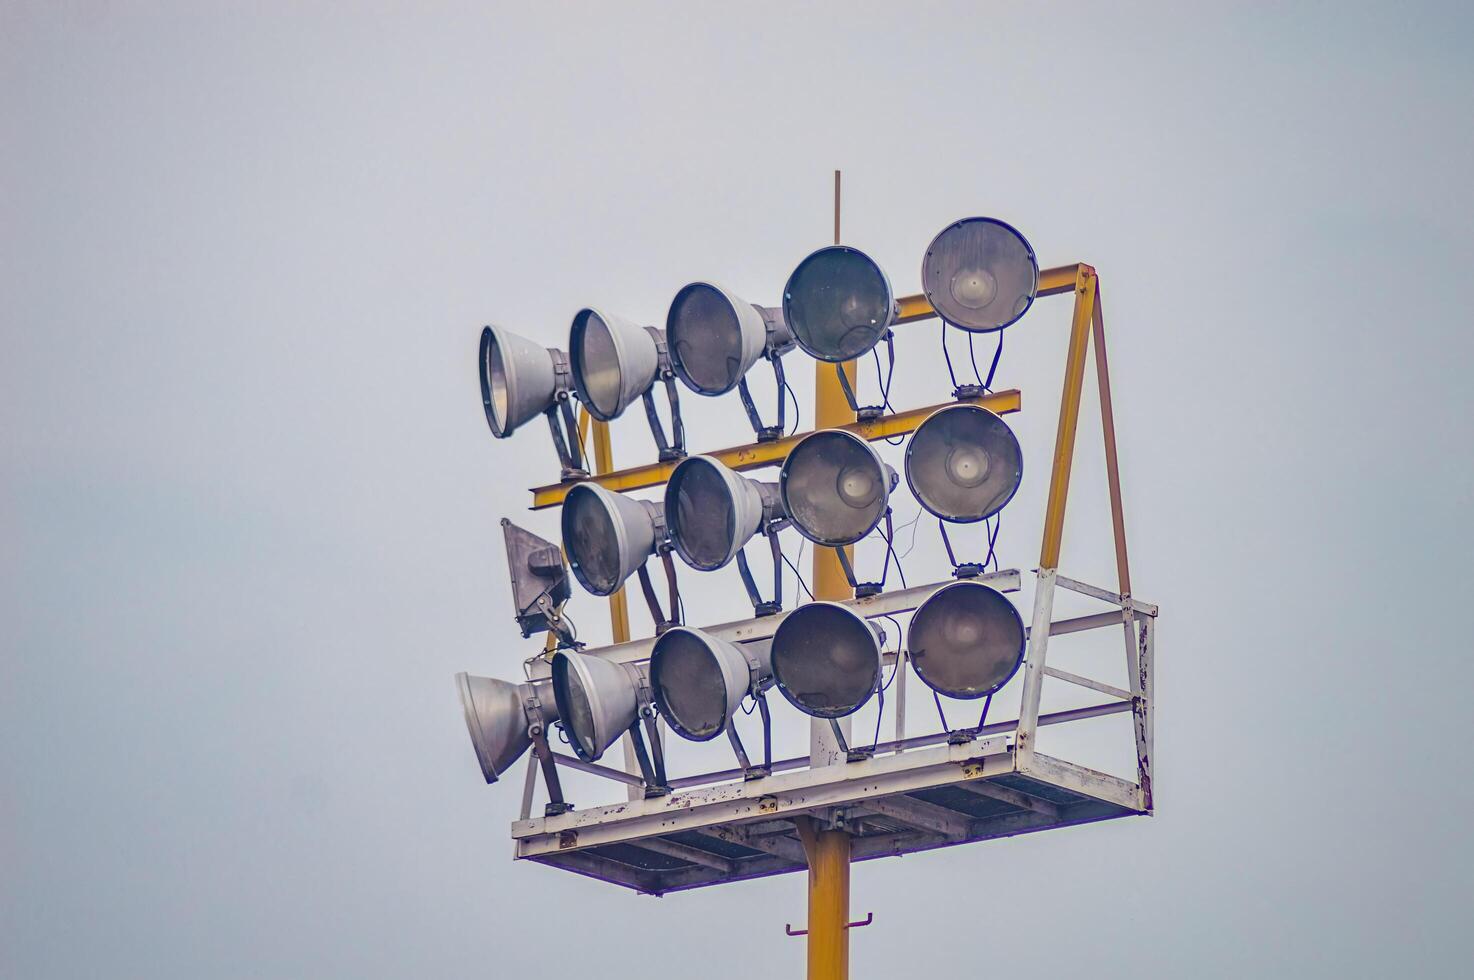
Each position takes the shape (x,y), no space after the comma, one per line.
(842,801)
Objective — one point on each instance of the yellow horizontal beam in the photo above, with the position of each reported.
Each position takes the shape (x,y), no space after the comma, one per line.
(772,453)
(1052,282)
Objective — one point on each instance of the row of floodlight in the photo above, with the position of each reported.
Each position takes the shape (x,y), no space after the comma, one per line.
(979,274)
(963,463)
(966,640)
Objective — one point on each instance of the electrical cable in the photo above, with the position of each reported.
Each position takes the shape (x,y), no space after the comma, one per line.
(948,355)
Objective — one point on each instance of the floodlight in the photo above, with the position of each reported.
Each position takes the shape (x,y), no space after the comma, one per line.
(698,681)
(964,463)
(499,720)
(980,274)
(598,701)
(826,659)
(715,337)
(607,536)
(712,511)
(838,304)
(834,487)
(539,580)
(966,640)
(521,379)
(616,362)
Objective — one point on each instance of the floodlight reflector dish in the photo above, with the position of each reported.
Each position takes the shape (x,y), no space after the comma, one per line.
(607,536)
(519,379)
(711,511)
(714,338)
(834,487)
(614,362)
(596,699)
(698,681)
(966,640)
(496,718)
(980,274)
(838,303)
(826,659)
(964,463)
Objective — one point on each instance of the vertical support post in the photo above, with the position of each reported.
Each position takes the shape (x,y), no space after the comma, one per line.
(1028,715)
(831,408)
(828,853)
(619,610)
(1142,708)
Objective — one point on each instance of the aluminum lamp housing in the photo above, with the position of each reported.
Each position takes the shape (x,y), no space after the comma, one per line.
(519,379)
(714,336)
(614,361)
(496,718)
(698,681)
(607,536)
(712,511)
(597,701)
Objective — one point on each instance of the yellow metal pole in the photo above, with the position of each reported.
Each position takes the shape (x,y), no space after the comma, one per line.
(619,610)
(828,851)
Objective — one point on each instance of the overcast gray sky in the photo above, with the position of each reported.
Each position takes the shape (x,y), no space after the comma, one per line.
(249,503)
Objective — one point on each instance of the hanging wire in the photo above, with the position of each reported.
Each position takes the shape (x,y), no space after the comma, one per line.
(885,392)
(912,523)
(796,573)
(948,355)
(991,527)
(797,411)
(972,356)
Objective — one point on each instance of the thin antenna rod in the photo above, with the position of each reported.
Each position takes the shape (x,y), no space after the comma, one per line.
(836,207)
